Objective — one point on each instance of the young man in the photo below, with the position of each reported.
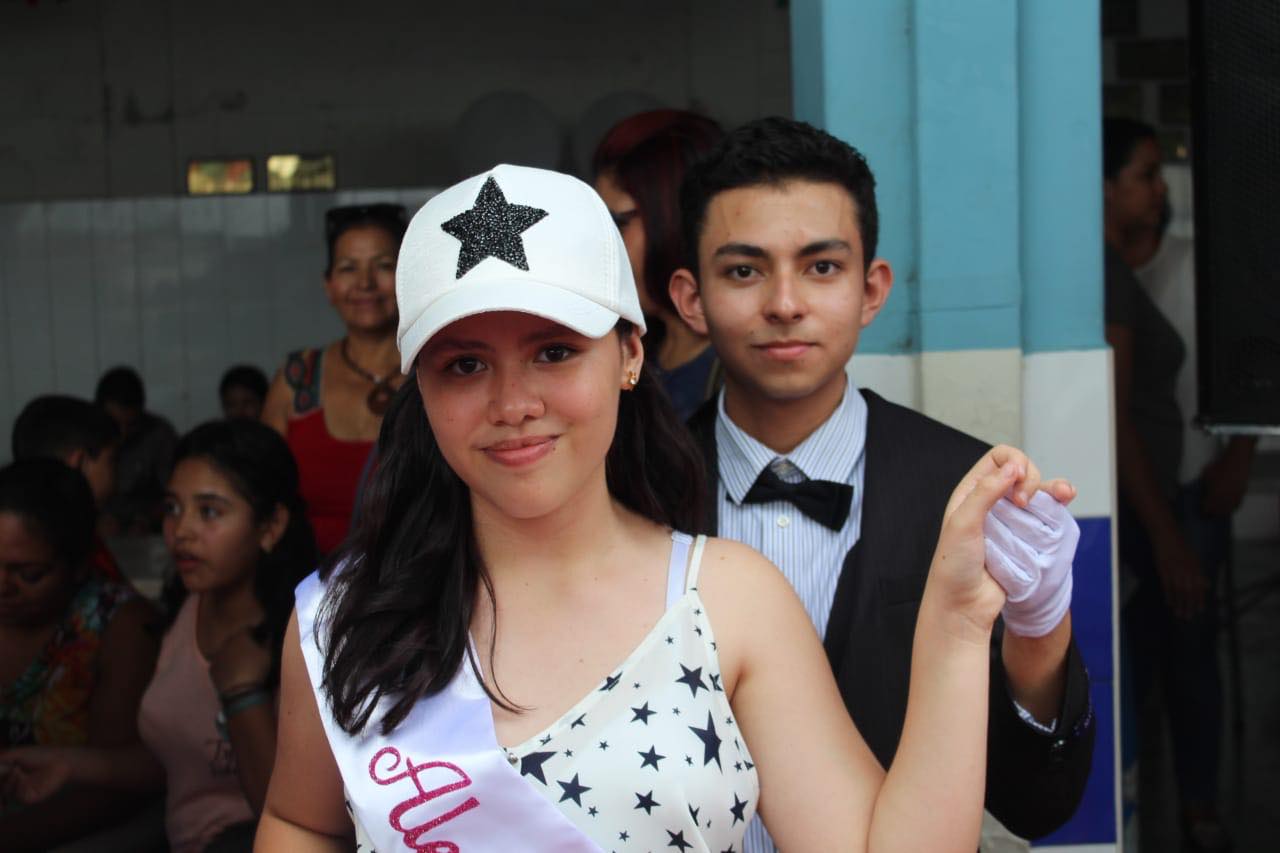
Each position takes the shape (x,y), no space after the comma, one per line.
(782,218)
(81,436)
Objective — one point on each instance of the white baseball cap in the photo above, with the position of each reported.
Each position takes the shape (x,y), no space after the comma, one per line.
(513,239)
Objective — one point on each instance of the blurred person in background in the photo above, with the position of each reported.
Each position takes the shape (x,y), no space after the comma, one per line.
(240,542)
(242,392)
(145,456)
(328,402)
(1178,486)
(76,650)
(81,436)
(638,168)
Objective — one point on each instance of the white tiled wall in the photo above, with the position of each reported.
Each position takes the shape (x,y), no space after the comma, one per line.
(179,288)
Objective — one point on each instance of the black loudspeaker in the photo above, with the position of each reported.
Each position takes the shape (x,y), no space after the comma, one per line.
(1235,143)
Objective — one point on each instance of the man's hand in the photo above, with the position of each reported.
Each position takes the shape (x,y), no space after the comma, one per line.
(1029,552)
(1181,574)
(1226,479)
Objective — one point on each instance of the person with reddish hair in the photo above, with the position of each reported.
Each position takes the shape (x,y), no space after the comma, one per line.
(638,167)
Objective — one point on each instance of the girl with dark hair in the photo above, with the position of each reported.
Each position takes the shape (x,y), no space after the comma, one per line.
(518,649)
(328,402)
(75,648)
(638,168)
(240,542)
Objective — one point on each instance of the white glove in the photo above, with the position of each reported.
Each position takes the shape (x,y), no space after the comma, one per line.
(1029,553)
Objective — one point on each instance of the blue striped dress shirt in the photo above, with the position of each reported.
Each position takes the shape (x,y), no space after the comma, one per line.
(808,554)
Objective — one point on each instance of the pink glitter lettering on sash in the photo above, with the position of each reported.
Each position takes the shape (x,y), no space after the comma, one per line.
(412,772)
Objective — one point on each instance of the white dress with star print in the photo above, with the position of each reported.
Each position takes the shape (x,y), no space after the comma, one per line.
(652,759)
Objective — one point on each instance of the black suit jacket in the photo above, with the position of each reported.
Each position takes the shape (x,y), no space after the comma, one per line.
(1034,780)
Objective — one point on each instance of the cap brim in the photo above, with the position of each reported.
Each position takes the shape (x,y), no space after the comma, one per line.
(523,295)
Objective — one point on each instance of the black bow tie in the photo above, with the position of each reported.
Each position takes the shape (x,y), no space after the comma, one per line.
(822,500)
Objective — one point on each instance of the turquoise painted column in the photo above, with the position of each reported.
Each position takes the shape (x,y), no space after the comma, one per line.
(1060,76)
(981,122)
(853,73)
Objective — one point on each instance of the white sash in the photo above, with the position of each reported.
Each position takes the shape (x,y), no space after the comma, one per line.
(440,783)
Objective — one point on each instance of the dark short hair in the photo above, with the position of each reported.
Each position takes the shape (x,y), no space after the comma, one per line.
(773,151)
(56,503)
(52,426)
(390,217)
(1120,136)
(244,376)
(649,154)
(121,385)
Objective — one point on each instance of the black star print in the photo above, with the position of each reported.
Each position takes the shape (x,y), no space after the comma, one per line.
(697,611)
(710,742)
(737,765)
(688,759)
(647,802)
(611,682)
(713,645)
(692,678)
(670,640)
(492,229)
(749,765)
(651,758)
(697,630)
(624,835)
(677,840)
(531,765)
(604,744)
(715,683)
(730,850)
(643,713)
(572,790)
(693,813)
(636,685)
(579,722)
(568,753)
(737,810)
(593,811)
(675,711)
(545,740)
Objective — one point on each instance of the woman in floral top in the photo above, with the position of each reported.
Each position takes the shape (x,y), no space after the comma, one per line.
(75,650)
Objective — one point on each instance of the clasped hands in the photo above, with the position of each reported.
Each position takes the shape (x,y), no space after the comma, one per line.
(1004,518)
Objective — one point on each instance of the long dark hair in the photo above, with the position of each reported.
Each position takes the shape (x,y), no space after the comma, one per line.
(402,590)
(260,467)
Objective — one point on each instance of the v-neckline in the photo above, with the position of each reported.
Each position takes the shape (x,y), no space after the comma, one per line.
(592,696)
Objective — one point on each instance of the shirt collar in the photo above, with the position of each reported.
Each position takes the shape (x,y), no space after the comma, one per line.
(830,452)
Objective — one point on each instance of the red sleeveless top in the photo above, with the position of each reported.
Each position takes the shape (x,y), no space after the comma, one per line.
(328,468)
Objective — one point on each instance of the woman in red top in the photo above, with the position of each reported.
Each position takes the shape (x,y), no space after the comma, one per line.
(328,402)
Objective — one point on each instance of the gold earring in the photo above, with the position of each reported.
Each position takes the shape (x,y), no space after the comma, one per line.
(632,378)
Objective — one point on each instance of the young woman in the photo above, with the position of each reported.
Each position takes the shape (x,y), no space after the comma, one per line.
(519,651)
(76,649)
(638,169)
(328,402)
(240,542)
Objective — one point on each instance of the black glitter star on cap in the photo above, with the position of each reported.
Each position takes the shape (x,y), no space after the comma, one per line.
(492,229)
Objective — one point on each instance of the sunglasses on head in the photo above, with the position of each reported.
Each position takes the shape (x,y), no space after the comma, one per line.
(338,219)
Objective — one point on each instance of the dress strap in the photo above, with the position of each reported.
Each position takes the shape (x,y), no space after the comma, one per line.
(695,562)
(680,543)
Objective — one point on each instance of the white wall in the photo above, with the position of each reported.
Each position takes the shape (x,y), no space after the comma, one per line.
(110,98)
(179,288)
